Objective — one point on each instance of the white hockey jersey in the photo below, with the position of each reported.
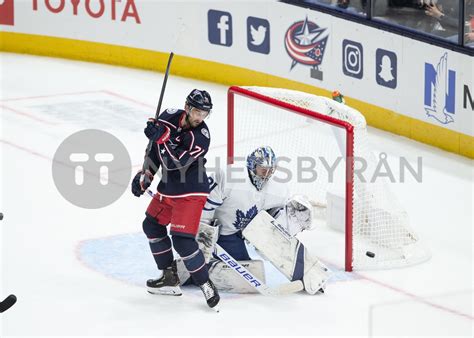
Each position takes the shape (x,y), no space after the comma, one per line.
(234,201)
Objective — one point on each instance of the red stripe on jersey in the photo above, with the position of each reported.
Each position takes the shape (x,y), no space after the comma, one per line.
(192,142)
(195,151)
(199,154)
(185,195)
(167,123)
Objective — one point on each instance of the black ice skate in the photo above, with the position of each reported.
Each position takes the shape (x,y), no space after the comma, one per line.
(211,294)
(168,284)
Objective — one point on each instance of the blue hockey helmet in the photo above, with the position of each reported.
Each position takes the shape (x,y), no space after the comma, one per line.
(199,99)
(261,163)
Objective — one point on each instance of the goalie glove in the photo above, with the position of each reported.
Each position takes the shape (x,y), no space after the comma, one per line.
(299,213)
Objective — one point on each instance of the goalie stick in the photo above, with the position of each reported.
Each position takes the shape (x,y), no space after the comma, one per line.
(252,280)
(7,303)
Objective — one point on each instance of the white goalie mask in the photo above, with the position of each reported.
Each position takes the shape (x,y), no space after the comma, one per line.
(261,164)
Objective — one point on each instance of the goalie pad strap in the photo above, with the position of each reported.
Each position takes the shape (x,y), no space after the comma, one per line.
(298,270)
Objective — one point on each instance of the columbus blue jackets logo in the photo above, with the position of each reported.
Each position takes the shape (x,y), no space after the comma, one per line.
(305,43)
(243,218)
(171,111)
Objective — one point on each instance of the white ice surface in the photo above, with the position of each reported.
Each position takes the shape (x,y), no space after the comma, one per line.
(60,293)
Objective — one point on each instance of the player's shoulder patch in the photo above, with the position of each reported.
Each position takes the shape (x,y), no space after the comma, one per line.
(205,132)
(172,111)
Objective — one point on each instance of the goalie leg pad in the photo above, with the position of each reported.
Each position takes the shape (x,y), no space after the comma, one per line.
(224,277)
(286,253)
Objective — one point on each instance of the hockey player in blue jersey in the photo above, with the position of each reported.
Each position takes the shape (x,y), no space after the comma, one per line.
(181,140)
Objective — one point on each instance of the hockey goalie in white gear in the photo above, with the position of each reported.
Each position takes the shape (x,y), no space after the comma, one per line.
(236,208)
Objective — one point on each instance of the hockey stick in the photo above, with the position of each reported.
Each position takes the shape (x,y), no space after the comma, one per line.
(7,303)
(246,275)
(252,280)
(158,108)
(10,300)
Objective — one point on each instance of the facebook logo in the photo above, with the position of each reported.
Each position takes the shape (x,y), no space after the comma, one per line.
(440,88)
(386,68)
(219,27)
(258,35)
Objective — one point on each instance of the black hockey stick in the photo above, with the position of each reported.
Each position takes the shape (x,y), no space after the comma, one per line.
(10,300)
(162,94)
(7,303)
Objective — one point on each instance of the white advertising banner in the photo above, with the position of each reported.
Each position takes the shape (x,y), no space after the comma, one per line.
(409,77)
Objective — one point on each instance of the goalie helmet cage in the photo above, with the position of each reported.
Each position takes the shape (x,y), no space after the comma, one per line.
(302,127)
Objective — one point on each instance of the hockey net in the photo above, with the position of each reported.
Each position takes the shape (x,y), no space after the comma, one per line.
(316,141)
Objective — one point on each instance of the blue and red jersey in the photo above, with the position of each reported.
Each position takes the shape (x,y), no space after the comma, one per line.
(182,157)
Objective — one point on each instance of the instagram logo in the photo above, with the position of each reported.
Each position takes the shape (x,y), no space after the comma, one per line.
(352,59)
(6,12)
(91,169)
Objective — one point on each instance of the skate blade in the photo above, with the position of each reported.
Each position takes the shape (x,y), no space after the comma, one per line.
(216,308)
(166,290)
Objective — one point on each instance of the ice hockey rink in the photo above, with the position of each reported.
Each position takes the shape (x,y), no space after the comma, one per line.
(81,272)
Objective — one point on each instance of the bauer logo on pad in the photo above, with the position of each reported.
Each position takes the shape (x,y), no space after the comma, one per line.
(7,15)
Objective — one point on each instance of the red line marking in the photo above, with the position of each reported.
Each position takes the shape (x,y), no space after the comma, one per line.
(32,152)
(52,160)
(415,297)
(51,95)
(28,115)
(127,98)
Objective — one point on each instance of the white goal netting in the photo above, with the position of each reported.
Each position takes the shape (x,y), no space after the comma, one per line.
(312,150)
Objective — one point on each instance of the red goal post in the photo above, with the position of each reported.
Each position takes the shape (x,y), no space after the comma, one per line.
(300,125)
(235,90)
